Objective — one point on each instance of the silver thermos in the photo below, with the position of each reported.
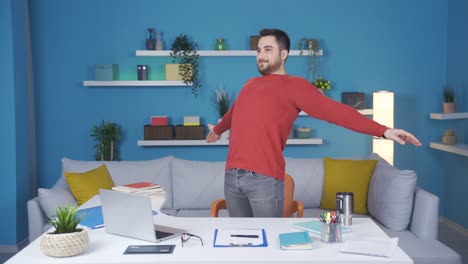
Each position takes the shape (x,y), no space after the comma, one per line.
(345,207)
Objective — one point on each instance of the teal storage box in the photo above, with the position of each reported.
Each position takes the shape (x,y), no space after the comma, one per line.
(106,72)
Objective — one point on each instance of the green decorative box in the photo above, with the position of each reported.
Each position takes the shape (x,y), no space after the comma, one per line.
(106,72)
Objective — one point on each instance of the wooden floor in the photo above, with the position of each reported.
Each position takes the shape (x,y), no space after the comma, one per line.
(453,237)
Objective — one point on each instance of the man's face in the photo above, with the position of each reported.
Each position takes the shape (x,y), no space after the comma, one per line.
(268,55)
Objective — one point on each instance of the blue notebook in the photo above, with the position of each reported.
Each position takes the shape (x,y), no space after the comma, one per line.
(314,227)
(295,240)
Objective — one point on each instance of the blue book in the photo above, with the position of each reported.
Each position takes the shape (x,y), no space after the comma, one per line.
(92,217)
(295,240)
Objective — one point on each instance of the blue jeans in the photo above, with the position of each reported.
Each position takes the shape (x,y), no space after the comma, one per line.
(250,194)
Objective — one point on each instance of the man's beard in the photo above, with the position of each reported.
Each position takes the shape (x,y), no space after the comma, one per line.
(268,67)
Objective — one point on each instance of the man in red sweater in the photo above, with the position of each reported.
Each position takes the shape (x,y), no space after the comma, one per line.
(260,121)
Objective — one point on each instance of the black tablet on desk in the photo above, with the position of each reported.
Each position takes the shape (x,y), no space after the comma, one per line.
(149,249)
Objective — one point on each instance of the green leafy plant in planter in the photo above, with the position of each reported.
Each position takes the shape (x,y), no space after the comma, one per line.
(107,134)
(67,240)
(222,101)
(449,96)
(184,52)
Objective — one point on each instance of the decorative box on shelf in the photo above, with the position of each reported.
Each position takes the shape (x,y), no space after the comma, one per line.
(106,72)
(159,121)
(190,132)
(356,100)
(158,132)
(191,120)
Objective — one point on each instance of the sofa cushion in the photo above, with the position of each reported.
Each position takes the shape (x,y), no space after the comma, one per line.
(125,172)
(50,199)
(391,194)
(347,176)
(308,179)
(197,183)
(87,184)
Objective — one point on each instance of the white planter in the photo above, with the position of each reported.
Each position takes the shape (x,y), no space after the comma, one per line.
(64,245)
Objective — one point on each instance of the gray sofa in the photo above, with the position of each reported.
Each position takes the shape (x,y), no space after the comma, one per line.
(394,201)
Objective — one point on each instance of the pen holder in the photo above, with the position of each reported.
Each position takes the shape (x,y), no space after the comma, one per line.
(330,233)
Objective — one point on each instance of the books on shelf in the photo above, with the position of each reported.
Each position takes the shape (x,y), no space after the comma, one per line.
(313,226)
(295,240)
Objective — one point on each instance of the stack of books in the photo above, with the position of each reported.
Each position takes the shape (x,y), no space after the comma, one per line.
(152,190)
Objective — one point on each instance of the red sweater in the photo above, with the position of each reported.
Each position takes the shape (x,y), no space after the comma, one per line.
(264,112)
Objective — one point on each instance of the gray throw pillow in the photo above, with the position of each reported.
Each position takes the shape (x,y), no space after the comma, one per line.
(50,199)
(391,194)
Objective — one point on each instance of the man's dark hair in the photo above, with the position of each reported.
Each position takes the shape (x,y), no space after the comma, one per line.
(280,36)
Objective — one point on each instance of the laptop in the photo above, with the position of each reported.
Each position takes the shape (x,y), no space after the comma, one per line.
(131,215)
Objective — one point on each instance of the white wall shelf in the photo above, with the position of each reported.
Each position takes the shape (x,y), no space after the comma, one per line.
(219,53)
(442,116)
(149,143)
(362,111)
(134,83)
(456,149)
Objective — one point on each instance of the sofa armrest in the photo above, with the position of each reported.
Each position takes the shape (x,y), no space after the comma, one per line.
(36,219)
(425,217)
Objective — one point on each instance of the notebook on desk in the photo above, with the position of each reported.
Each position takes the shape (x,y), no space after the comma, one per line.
(131,215)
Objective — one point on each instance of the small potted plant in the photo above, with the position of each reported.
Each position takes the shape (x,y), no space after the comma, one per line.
(449,105)
(184,52)
(67,240)
(222,102)
(107,135)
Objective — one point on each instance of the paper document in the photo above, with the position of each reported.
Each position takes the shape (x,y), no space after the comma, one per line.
(381,247)
(239,238)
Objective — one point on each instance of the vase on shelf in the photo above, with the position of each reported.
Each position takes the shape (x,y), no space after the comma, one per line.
(159,41)
(449,137)
(150,41)
(220,45)
(449,108)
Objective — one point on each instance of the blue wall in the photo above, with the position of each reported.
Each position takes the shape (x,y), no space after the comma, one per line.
(369,45)
(14,138)
(456,167)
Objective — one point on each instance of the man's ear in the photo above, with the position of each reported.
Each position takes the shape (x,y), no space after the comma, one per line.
(284,54)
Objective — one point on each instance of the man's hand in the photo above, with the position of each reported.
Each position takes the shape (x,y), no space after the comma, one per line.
(212,137)
(401,136)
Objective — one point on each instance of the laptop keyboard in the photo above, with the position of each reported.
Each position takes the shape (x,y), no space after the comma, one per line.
(161,234)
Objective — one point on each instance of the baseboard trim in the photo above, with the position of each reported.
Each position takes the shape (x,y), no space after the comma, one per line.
(14,248)
(453,225)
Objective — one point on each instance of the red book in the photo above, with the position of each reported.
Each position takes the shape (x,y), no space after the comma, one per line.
(139,187)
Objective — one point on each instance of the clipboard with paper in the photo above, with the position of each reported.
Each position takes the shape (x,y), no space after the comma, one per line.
(240,238)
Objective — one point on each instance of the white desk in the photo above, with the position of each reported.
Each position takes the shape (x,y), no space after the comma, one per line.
(106,248)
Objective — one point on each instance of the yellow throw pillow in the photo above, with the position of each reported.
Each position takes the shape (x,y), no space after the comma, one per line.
(347,176)
(87,184)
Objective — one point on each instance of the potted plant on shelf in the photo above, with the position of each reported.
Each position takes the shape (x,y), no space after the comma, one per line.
(184,52)
(107,135)
(67,240)
(449,105)
(222,102)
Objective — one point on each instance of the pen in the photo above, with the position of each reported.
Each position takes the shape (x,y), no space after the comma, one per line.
(248,236)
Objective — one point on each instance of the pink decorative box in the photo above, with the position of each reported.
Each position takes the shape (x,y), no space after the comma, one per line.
(159,121)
